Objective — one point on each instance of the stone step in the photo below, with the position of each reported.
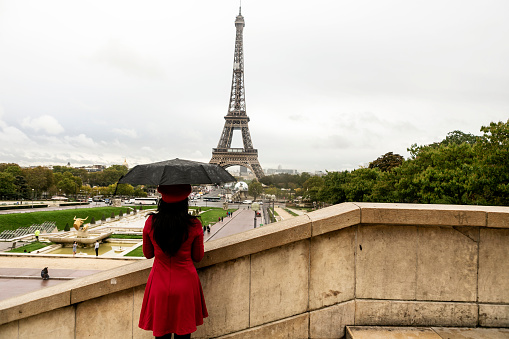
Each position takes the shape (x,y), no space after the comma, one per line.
(384,332)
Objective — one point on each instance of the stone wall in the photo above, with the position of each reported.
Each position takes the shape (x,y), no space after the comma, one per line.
(309,276)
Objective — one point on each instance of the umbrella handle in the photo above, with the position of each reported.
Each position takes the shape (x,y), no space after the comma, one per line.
(116,186)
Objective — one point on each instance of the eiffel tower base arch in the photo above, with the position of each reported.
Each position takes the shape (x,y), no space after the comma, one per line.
(246,159)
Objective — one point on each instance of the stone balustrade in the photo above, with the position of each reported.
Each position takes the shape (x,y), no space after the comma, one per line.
(308,277)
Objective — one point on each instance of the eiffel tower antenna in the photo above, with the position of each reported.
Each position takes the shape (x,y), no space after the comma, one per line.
(236,118)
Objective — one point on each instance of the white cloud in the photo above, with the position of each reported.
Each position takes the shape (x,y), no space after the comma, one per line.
(81,140)
(131,133)
(121,56)
(45,123)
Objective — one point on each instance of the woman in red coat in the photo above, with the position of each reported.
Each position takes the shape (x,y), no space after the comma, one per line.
(173,300)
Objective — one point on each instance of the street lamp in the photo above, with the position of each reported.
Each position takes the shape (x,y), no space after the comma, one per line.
(32,198)
(255,207)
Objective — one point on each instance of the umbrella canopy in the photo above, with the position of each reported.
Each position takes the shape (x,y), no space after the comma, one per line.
(176,171)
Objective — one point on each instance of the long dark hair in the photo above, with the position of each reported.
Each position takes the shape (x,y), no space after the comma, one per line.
(171,225)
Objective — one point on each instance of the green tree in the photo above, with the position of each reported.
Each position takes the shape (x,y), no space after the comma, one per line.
(387,162)
(255,189)
(123,189)
(458,138)
(491,181)
(7,185)
(139,192)
(312,187)
(38,178)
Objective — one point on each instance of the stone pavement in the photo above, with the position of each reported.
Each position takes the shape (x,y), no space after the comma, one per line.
(21,273)
(241,220)
(283,215)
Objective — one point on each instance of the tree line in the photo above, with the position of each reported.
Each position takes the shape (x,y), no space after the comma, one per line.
(461,169)
(17,183)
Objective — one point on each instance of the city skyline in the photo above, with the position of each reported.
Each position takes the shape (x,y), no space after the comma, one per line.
(329,86)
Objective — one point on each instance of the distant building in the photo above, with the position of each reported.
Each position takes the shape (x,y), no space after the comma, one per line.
(93,168)
(280,170)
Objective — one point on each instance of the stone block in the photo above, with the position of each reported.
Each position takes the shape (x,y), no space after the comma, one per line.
(414,313)
(226,290)
(36,302)
(9,330)
(332,278)
(106,317)
(376,332)
(386,262)
(111,281)
(493,315)
(472,333)
(293,327)
(494,266)
(58,323)
(333,218)
(256,240)
(279,283)
(447,264)
(138,333)
(330,322)
(422,214)
(498,216)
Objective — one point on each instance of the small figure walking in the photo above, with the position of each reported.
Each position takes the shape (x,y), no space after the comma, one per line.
(96,246)
(221,219)
(74,248)
(45,274)
(36,233)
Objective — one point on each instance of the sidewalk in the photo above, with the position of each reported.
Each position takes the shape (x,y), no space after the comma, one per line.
(283,215)
(241,220)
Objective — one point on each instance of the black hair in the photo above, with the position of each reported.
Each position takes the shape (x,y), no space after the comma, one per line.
(171,225)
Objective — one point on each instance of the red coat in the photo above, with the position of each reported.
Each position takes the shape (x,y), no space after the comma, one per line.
(173,300)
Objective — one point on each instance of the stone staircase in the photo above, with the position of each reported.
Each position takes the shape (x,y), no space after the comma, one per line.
(379,332)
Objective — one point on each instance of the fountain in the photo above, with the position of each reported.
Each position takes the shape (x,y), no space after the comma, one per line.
(81,234)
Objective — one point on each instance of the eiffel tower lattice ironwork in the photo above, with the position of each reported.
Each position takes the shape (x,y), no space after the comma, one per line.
(236,119)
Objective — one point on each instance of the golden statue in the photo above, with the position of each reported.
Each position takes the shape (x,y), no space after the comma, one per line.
(78,222)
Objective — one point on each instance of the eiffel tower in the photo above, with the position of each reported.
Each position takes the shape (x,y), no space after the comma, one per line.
(236,119)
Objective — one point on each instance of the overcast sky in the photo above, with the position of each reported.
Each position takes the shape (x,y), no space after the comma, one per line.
(330,84)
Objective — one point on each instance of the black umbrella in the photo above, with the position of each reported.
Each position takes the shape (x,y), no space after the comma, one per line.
(176,171)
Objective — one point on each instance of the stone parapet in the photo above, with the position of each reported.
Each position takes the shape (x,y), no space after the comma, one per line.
(309,276)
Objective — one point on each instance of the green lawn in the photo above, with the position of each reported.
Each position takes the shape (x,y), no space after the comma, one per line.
(137,252)
(291,212)
(126,236)
(15,220)
(212,214)
(31,247)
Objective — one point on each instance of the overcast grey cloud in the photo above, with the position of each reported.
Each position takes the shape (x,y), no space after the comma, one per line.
(329,84)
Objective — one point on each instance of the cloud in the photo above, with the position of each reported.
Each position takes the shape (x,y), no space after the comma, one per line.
(46,123)
(131,133)
(11,135)
(80,140)
(122,57)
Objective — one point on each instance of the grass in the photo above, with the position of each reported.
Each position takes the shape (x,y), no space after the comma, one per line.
(126,236)
(14,221)
(34,246)
(291,212)
(137,252)
(212,214)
